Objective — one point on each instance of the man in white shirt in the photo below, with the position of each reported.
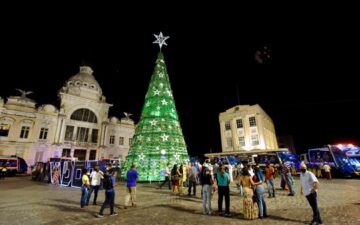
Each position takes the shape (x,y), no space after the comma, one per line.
(309,186)
(95,179)
(167,177)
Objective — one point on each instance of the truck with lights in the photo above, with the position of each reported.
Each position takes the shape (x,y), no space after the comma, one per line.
(336,156)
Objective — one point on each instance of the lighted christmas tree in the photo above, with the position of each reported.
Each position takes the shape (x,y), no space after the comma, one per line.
(158,138)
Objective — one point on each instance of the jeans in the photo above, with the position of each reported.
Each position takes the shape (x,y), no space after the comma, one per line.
(109,200)
(192,184)
(312,199)
(84,194)
(224,191)
(167,179)
(94,189)
(290,183)
(260,200)
(271,187)
(206,196)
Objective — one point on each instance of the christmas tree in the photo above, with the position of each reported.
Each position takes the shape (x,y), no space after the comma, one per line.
(158,138)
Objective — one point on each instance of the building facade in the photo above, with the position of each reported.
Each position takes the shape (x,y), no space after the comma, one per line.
(247,127)
(80,128)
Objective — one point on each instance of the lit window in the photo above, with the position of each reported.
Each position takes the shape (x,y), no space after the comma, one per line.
(252,121)
(241,141)
(227,126)
(24,132)
(254,139)
(43,133)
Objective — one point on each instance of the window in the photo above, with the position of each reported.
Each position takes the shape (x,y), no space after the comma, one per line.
(4,130)
(121,140)
(130,141)
(84,115)
(66,152)
(254,139)
(92,155)
(69,133)
(241,141)
(227,126)
(94,135)
(239,123)
(24,132)
(229,142)
(112,139)
(252,121)
(43,133)
(82,134)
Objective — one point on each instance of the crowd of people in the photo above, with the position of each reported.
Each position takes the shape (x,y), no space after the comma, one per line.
(213,178)
(91,183)
(250,180)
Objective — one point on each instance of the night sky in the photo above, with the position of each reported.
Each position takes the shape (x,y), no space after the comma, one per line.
(308,86)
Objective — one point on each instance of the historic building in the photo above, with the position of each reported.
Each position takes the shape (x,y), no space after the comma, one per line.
(247,127)
(80,128)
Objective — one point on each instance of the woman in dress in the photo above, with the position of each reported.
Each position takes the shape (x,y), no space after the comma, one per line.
(250,208)
(175,177)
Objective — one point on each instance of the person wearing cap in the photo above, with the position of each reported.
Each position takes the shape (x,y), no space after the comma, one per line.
(309,186)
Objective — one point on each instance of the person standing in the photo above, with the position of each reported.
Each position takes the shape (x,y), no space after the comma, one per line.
(269,178)
(309,186)
(207,182)
(286,173)
(259,192)
(327,171)
(132,177)
(56,176)
(167,177)
(175,177)
(95,179)
(84,188)
(108,184)
(193,179)
(223,181)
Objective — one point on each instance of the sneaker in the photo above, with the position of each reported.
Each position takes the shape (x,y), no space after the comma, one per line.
(99,215)
(113,214)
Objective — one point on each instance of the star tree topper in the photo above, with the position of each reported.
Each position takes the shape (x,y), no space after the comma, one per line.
(160,39)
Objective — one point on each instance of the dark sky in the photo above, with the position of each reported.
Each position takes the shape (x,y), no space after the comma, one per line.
(309,86)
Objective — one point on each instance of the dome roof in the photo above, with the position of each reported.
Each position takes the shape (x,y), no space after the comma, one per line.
(84,79)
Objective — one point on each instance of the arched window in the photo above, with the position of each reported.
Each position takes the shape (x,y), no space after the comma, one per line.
(84,115)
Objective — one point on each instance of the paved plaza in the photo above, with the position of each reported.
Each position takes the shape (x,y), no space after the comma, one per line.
(23,201)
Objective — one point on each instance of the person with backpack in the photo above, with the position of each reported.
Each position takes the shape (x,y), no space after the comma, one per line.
(108,185)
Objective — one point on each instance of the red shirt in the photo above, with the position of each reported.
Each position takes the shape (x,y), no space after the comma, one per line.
(269,172)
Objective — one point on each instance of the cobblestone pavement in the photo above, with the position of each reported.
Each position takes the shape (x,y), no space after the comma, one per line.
(23,201)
